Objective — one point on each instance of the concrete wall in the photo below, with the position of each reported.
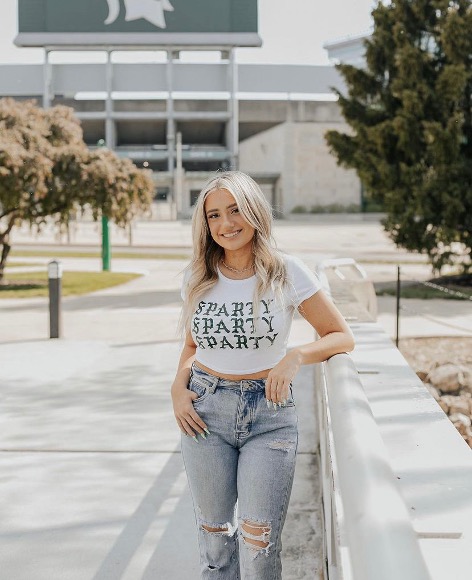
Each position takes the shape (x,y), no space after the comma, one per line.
(281,141)
(309,175)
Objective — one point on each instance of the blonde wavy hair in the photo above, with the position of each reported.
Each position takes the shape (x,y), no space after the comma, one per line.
(202,272)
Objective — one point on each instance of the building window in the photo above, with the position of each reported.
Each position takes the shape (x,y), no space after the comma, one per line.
(194,193)
(162,194)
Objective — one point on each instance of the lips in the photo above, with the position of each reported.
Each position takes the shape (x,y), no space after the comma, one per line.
(231,235)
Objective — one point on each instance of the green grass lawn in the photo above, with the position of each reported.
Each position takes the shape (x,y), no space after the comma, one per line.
(118,255)
(18,264)
(33,284)
(460,283)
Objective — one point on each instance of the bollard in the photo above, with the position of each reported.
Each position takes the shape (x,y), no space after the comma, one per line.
(55,280)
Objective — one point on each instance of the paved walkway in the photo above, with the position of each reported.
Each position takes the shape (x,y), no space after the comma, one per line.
(92,482)
(93,485)
(313,238)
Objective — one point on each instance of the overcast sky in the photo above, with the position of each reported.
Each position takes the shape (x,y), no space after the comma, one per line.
(293,31)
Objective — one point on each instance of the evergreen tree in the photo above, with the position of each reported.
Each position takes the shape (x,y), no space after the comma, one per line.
(410,110)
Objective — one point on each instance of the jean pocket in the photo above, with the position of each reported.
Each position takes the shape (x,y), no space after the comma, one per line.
(198,388)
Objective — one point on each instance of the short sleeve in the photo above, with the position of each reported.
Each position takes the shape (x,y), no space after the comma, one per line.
(186,278)
(303,283)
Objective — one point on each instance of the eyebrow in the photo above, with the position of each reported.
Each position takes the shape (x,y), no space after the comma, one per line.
(228,207)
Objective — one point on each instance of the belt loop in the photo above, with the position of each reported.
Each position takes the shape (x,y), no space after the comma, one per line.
(214,384)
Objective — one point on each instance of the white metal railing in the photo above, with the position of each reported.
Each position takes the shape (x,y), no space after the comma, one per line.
(368,531)
(369,534)
(349,271)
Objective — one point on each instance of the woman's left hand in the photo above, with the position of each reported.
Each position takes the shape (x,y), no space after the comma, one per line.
(279,378)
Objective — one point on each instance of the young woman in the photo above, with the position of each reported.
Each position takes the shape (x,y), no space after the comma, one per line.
(232,393)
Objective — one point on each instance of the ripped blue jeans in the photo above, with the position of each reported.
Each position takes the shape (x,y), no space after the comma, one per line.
(240,477)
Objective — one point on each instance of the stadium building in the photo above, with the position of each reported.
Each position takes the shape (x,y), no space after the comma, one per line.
(184,120)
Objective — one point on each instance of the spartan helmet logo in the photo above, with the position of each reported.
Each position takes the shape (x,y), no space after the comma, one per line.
(151,10)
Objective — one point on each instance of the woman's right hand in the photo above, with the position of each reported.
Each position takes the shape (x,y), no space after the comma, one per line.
(187,418)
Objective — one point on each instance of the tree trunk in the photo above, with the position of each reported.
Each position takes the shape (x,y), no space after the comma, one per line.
(6,247)
(5,251)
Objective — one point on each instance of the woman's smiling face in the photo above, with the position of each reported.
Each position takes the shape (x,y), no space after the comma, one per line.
(227,226)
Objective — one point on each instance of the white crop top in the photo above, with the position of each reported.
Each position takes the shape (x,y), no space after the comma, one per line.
(229,339)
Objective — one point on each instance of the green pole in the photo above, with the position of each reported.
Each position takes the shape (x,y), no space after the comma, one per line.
(106,248)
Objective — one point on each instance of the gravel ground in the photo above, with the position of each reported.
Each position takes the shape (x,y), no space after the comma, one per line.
(423,354)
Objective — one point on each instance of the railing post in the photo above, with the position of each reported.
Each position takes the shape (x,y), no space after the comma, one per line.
(397,325)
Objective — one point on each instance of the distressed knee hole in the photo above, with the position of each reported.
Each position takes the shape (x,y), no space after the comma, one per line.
(218,530)
(256,534)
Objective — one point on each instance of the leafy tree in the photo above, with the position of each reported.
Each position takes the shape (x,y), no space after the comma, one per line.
(410,111)
(47,171)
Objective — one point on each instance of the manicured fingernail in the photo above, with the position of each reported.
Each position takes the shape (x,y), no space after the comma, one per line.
(195,438)
(203,435)
(268,404)
(275,406)
(206,431)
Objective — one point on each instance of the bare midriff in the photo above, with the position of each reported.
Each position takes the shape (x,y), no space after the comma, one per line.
(259,375)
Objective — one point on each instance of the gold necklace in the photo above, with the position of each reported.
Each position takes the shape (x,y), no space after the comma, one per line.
(237,271)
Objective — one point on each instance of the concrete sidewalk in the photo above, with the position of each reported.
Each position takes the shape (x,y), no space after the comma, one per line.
(311,237)
(93,485)
(92,482)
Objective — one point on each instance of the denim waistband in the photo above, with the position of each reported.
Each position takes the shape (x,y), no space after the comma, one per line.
(214,381)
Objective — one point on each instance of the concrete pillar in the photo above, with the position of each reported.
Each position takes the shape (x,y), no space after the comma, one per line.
(109,122)
(170,113)
(233,107)
(178,204)
(47,77)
